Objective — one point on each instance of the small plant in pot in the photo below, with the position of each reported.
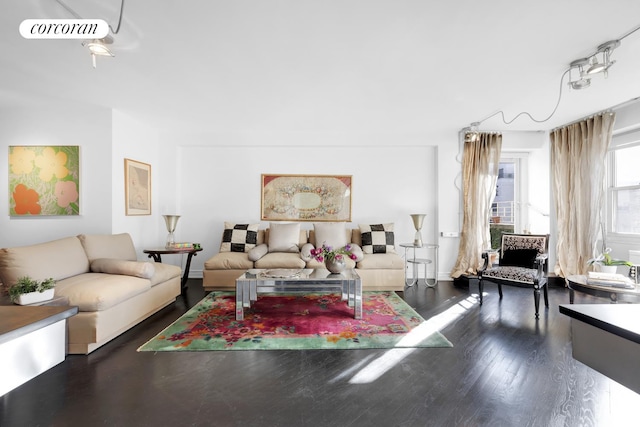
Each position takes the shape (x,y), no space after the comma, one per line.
(29,291)
(606,263)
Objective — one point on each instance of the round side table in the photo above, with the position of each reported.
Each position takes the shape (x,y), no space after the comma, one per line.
(416,261)
(579,283)
(156,254)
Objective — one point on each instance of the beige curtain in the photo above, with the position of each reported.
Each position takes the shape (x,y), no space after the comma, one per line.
(578,153)
(480,161)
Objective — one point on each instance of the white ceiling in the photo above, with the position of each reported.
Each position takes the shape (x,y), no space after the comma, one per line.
(401,66)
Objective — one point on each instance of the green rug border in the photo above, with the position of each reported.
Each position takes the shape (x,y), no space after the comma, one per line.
(433,340)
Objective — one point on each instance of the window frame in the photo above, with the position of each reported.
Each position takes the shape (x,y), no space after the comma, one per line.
(619,142)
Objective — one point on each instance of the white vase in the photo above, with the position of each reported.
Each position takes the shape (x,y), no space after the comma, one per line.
(35,297)
(611,269)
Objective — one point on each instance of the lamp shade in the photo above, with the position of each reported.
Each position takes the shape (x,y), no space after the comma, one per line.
(171,221)
(418,220)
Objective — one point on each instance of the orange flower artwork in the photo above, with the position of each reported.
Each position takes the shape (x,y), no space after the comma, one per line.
(44,180)
(26,200)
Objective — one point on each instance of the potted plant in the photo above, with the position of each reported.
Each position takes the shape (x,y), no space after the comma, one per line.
(606,263)
(30,291)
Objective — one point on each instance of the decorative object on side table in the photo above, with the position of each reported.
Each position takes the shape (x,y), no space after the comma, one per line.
(333,258)
(418,220)
(171,221)
(30,291)
(606,264)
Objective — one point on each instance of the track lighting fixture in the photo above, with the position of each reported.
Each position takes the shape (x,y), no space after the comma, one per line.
(594,63)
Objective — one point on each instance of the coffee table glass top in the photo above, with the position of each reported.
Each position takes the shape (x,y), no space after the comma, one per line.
(298,274)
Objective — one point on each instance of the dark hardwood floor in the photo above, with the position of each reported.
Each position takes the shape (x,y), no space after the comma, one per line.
(505,369)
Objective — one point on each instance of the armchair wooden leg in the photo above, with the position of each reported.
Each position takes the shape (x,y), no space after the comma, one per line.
(536,300)
(500,290)
(546,296)
(480,286)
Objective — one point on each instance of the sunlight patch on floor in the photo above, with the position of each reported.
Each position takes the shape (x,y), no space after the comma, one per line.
(391,358)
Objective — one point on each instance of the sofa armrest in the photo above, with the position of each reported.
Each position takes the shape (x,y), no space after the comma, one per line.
(357,251)
(305,252)
(258,252)
(142,269)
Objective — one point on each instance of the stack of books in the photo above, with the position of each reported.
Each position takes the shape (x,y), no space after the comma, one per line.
(182,245)
(612,280)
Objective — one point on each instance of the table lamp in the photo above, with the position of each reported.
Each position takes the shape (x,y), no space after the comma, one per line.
(418,219)
(171,221)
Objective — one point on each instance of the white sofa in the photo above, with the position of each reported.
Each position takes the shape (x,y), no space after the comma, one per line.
(378,271)
(100,275)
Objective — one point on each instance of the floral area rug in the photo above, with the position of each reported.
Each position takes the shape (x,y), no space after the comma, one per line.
(297,322)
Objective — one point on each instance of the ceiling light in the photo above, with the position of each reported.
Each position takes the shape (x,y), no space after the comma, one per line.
(581,84)
(583,81)
(605,50)
(596,67)
(97,47)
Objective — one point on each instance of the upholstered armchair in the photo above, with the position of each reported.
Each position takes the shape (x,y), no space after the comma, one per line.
(522,262)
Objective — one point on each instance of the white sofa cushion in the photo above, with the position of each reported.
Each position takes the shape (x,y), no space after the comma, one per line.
(229,261)
(58,259)
(116,246)
(100,291)
(381,262)
(280,260)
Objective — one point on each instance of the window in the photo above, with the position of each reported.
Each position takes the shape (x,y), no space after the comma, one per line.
(624,189)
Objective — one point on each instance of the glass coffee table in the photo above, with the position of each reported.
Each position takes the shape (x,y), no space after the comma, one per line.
(256,281)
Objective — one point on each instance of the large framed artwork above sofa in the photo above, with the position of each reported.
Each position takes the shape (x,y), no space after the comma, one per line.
(306,198)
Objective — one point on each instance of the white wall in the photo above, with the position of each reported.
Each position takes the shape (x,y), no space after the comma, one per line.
(209,179)
(136,141)
(88,127)
(219,183)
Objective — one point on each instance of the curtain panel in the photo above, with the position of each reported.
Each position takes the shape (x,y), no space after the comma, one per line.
(480,161)
(578,160)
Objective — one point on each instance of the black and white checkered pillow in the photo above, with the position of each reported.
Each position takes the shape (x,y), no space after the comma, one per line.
(239,237)
(377,238)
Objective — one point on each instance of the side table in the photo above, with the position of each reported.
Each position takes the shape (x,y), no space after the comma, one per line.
(156,254)
(579,283)
(415,262)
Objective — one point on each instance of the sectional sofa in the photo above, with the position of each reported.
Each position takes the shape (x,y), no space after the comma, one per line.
(100,275)
(288,245)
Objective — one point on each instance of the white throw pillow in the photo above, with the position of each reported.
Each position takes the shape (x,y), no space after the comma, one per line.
(284,237)
(332,234)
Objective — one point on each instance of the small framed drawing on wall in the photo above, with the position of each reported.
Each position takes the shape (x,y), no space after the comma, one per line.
(137,187)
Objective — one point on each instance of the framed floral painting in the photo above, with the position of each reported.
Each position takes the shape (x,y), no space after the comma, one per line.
(44,180)
(137,187)
(306,198)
